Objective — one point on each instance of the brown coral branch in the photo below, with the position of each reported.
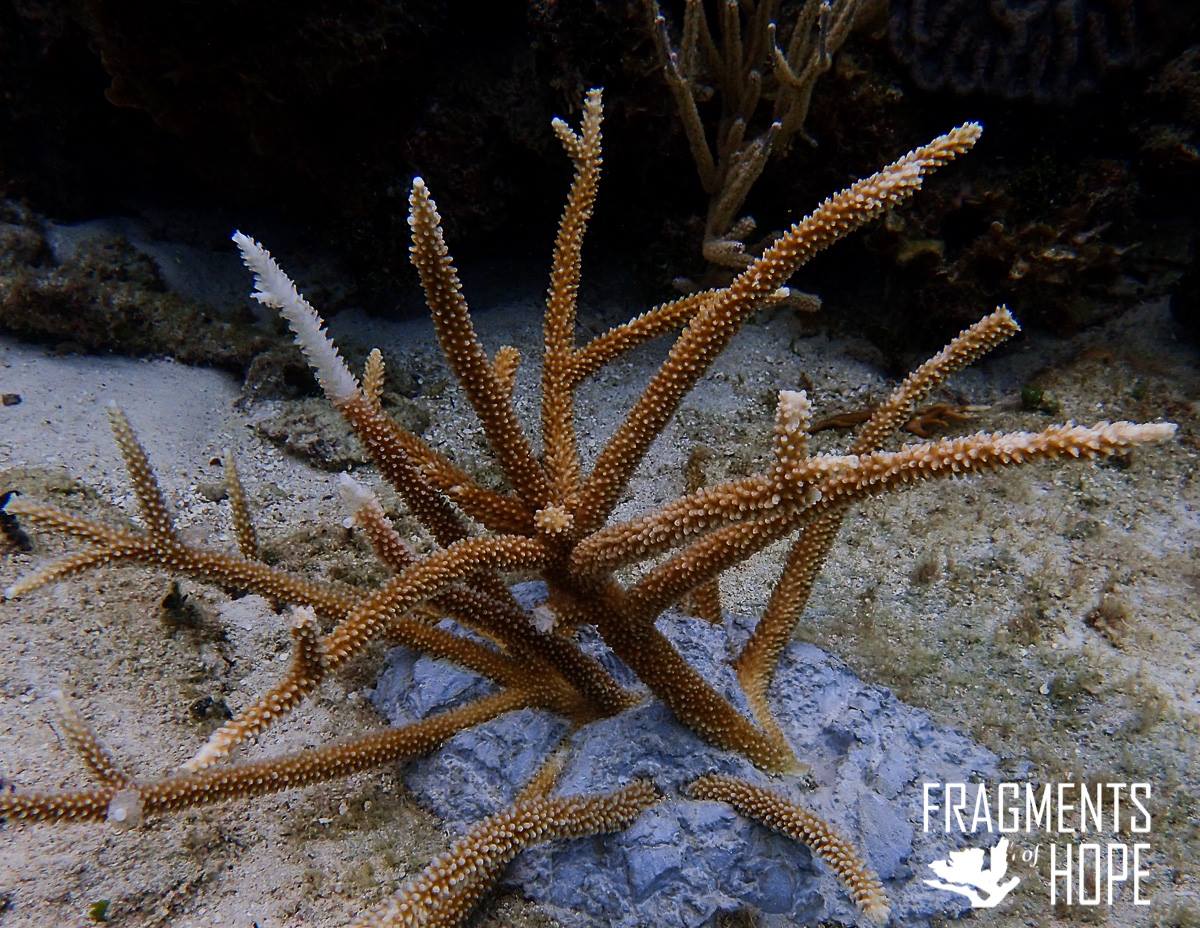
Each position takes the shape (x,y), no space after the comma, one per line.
(779,814)
(629,631)
(451,908)
(426,578)
(415,469)
(783,487)
(681,89)
(114,546)
(704,602)
(141,477)
(444,893)
(374,374)
(872,474)
(505,365)
(83,741)
(258,778)
(391,448)
(965,348)
(303,676)
(560,454)
(243,522)
(465,354)
(756,664)
(662,319)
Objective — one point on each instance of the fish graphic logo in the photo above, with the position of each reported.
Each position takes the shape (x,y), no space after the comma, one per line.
(963,872)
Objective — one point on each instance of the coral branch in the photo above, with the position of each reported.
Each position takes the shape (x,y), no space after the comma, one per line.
(465,355)
(258,778)
(115,546)
(83,741)
(141,476)
(560,454)
(967,347)
(704,602)
(304,676)
(275,289)
(756,664)
(424,579)
(446,891)
(243,524)
(778,814)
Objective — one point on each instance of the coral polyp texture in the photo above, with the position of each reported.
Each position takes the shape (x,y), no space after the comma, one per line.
(599,645)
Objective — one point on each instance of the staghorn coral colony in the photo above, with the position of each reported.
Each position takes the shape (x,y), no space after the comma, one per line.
(553,521)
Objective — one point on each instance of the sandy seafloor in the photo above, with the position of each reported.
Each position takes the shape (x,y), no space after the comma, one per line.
(968,597)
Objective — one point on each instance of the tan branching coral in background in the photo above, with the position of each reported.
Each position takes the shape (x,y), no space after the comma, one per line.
(553,521)
(764,90)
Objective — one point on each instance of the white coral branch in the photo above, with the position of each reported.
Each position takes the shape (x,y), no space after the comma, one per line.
(275,289)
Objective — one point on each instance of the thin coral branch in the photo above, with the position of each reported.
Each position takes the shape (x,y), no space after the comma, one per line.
(141,476)
(412,466)
(243,523)
(465,354)
(760,655)
(705,601)
(746,68)
(864,476)
(446,891)
(964,349)
(560,453)
(83,741)
(374,375)
(114,546)
(259,778)
(747,164)
(275,289)
(779,814)
(685,100)
(887,470)
(424,579)
(661,320)
(785,486)
(505,365)
(367,513)
(631,634)
(452,905)
(756,664)
(61,569)
(303,676)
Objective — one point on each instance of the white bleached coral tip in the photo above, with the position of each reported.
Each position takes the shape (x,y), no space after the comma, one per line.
(795,410)
(354,495)
(275,289)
